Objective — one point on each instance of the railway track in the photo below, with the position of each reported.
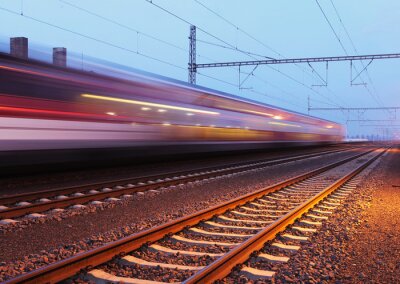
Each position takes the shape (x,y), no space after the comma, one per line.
(205,246)
(37,202)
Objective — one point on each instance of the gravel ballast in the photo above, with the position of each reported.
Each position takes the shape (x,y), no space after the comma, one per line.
(36,246)
(359,243)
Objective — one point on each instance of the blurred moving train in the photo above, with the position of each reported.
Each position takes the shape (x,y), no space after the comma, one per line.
(45,107)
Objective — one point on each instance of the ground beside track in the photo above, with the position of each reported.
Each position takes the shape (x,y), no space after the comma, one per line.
(49,180)
(40,244)
(374,248)
(360,242)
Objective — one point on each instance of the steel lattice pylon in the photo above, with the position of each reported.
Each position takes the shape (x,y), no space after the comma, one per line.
(192,55)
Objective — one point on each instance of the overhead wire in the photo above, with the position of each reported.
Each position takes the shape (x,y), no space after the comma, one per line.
(122,25)
(332,28)
(111,44)
(228,44)
(288,93)
(132,29)
(233,48)
(225,42)
(344,49)
(238,28)
(197,27)
(217,79)
(147,35)
(255,39)
(137,52)
(114,45)
(266,46)
(151,37)
(354,47)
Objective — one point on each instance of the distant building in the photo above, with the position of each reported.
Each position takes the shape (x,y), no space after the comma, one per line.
(19,47)
(60,56)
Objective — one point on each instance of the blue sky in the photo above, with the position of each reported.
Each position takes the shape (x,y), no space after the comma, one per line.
(285,28)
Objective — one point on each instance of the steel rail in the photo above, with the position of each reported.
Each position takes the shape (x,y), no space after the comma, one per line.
(63,269)
(18,211)
(223,266)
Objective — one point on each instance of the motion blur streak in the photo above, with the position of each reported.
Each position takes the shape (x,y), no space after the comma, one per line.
(147,104)
(44,107)
(41,111)
(283,124)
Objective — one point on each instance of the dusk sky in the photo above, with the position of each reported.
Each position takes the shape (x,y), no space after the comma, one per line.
(118,30)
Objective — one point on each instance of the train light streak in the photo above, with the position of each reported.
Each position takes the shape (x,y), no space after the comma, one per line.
(257,112)
(277,117)
(111,113)
(161,110)
(148,104)
(283,124)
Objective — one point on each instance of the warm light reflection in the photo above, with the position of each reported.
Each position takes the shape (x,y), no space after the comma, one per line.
(145,108)
(111,113)
(166,124)
(277,117)
(329,126)
(258,112)
(161,110)
(135,102)
(283,124)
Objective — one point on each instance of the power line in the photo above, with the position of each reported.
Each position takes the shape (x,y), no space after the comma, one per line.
(93,38)
(247,34)
(243,31)
(238,28)
(286,92)
(257,92)
(344,49)
(301,83)
(273,97)
(232,48)
(333,30)
(113,45)
(148,35)
(260,42)
(199,28)
(123,25)
(135,30)
(216,79)
(353,45)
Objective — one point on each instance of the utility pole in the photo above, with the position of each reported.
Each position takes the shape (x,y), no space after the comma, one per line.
(192,55)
